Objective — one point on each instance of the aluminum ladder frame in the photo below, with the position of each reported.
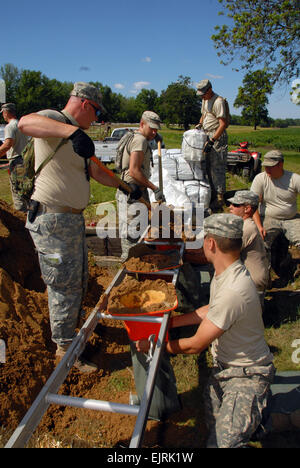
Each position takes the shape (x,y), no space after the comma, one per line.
(48,395)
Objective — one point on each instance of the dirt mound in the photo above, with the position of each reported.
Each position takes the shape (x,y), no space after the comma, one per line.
(24,327)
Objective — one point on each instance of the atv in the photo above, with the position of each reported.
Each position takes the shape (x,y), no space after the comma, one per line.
(244,162)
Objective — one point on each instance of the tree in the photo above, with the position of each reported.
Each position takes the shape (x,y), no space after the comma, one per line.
(262,32)
(11,75)
(147,99)
(252,96)
(179,104)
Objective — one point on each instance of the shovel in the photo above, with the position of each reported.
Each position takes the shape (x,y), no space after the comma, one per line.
(160,166)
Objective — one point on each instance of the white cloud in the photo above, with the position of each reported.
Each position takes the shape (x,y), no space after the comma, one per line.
(138,85)
(215,77)
(146,59)
(119,86)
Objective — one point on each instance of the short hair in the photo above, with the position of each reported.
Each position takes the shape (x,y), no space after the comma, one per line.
(226,244)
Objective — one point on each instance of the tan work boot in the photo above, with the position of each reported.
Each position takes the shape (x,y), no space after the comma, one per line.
(81,364)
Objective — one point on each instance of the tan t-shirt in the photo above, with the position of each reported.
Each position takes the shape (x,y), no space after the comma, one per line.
(279,196)
(138,143)
(62,182)
(253,255)
(212,109)
(12,131)
(235,308)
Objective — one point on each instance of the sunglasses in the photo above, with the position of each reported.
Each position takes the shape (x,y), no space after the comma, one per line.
(236,205)
(96,109)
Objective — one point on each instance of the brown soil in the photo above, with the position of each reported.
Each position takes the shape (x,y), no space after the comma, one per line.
(152,262)
(30,354)
(134,296)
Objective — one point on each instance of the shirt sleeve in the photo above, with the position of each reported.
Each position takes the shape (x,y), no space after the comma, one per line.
(225,311)
(257,186)
(10,132)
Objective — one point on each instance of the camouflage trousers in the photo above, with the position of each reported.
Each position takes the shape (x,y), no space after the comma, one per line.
(289,227)
(216,162)
(60,242)
(234,400)
(128,219)
(19,202)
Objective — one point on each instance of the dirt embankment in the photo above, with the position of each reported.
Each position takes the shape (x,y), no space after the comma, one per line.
(24,327)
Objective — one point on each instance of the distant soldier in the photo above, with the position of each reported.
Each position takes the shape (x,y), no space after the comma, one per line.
(277,189)
(136,171)
(213,121)
(253,252)
(14,143)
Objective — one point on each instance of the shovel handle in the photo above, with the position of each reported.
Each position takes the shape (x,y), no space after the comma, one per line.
(121,182)
(160,166)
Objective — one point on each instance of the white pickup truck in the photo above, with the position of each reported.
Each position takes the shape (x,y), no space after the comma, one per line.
(106,150)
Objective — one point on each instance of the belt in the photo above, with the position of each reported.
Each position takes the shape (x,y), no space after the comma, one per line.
(58,209)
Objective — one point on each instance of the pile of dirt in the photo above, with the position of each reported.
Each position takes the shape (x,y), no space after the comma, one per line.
(24,327)
(152,262)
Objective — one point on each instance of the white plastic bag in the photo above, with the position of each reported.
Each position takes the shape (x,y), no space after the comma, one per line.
(193,142)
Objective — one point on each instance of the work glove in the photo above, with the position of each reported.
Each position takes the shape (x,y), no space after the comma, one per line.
(208,146)
(158,138)
(159,196)
(83,145)
(135,194)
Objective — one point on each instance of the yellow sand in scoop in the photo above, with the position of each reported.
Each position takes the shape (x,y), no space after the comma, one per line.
(145,299)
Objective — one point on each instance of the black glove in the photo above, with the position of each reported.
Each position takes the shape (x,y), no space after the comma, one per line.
(158,138)
(159,196)
(208,146)
(82,144)
(135,194)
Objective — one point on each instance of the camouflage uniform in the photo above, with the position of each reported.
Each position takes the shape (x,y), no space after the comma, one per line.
(239,384)
(216,162)
(289,227)
(65,275)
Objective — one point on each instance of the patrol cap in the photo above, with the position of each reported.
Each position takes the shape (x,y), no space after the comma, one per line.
(152,119)
(224,225)
(9,106)
(203,86)
(272,158)
(244,197)
(87,91)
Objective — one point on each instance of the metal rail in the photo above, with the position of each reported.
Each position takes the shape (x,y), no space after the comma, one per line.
(48,395)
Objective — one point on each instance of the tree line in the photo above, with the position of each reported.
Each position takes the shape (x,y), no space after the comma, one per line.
(179,104)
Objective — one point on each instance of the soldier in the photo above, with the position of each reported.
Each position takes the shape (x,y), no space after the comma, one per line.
(238,386)
(253,252)
(14,143)
(60,195)
(214,122)
(136,171)
(277,189)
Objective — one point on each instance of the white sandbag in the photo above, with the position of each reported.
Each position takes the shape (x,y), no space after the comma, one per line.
(192,145)
(174,191)
(177,167)
(198,192)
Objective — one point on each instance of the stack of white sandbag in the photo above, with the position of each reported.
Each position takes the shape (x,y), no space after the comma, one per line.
(184,179)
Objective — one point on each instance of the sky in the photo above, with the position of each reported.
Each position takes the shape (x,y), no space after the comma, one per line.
(126,45)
